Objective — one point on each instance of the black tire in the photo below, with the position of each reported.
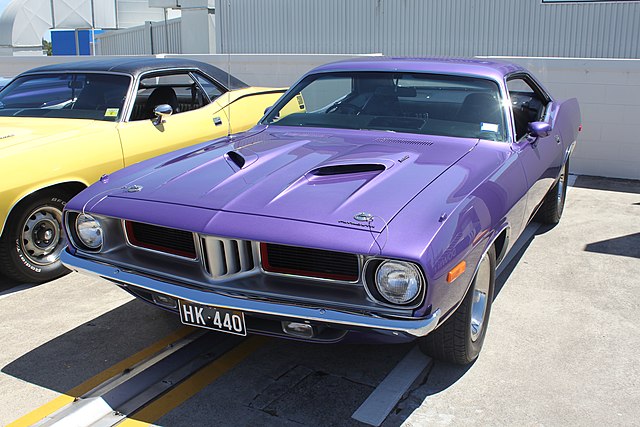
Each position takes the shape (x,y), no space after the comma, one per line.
(28,260)
(454,341)
(553,205)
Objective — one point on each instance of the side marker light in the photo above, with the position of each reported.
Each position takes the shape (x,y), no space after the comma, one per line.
(456,271)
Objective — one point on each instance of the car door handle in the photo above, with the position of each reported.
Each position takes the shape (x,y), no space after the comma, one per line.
(217,121)
(558,139)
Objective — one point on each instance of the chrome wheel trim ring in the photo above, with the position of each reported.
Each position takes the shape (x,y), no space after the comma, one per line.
(480,297)
(42,240)
(562,181)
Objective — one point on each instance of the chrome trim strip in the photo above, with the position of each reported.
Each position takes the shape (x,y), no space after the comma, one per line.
(207,260)
(417,327)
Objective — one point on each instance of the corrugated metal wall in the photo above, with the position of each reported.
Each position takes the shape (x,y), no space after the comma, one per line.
(148,39)
(430,27)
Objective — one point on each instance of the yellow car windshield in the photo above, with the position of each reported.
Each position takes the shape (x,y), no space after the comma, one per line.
(66,95)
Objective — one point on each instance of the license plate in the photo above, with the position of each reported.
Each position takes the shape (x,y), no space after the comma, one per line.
(217,319)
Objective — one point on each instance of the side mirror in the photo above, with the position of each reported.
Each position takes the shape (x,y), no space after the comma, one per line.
(161,111)
(266,110)
(539,129)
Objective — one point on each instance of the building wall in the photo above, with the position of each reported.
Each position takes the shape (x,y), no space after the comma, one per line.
(609,96)
(148,39)
(608,92)
(430,27)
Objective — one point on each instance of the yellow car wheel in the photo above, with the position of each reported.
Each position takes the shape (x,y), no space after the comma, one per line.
(33,239)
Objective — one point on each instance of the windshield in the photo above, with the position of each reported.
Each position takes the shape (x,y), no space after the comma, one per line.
(419,103)
(66,95)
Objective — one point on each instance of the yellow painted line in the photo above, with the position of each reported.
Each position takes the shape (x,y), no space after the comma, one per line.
(192,385)
(46,409)
(68,397)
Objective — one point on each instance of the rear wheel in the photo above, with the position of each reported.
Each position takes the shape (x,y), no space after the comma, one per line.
(553,205)
(459,339)
(33,239)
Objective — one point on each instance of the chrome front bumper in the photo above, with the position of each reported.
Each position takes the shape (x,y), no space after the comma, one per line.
(417,327)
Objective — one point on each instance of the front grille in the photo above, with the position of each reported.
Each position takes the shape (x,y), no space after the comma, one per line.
(161,239)
(226,257)
(309,262)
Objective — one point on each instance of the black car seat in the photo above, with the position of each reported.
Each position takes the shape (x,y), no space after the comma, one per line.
(160,95)
(479,107)
(383,102)
(91,98)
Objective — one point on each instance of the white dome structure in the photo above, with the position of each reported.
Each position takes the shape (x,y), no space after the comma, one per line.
(24,22)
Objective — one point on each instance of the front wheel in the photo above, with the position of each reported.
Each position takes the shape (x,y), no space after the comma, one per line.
(459,339)
(33,239)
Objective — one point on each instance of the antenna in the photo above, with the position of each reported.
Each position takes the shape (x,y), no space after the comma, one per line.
(226,36)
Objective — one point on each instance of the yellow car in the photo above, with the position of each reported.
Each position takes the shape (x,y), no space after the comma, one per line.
(63,126)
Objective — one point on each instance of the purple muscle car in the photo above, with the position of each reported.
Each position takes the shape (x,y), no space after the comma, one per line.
(374,200)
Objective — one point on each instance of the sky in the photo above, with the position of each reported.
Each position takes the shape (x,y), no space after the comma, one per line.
(3,4)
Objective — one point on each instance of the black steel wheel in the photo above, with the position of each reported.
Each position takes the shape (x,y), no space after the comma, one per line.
(33,239)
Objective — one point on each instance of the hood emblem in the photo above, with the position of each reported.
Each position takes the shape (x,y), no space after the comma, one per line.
(133,188)
(363,217)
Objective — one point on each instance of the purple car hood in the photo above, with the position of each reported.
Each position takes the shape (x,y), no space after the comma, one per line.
(318,175)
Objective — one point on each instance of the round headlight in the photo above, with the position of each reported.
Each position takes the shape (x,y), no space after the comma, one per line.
(89,231)
(398,282)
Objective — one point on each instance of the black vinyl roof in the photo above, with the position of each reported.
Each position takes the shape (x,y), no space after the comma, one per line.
(135,66)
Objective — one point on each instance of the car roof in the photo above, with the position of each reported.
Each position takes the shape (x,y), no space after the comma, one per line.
(135,66)
(490,68)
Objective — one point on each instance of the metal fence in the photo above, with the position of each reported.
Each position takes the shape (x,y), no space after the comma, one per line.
(148,39)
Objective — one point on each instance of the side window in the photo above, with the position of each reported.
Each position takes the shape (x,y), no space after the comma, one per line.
(323,93)
(179,91)
(210,87)
(527,103)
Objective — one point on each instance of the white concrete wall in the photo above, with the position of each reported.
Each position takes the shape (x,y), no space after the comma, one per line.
(608,92)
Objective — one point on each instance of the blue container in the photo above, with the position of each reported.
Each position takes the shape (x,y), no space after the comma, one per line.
(63,42)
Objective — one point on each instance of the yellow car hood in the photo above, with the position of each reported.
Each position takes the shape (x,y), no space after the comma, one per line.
(16,131)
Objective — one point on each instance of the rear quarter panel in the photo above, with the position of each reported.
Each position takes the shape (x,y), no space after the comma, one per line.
(567,121)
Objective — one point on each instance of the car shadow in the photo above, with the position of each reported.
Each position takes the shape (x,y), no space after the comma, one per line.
(78,355)
(440,377)
(8,286)
(513,257)
(608,184)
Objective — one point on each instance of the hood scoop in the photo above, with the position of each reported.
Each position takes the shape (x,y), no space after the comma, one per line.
(238,161)
(235,158)
(333,170)
(340,172)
